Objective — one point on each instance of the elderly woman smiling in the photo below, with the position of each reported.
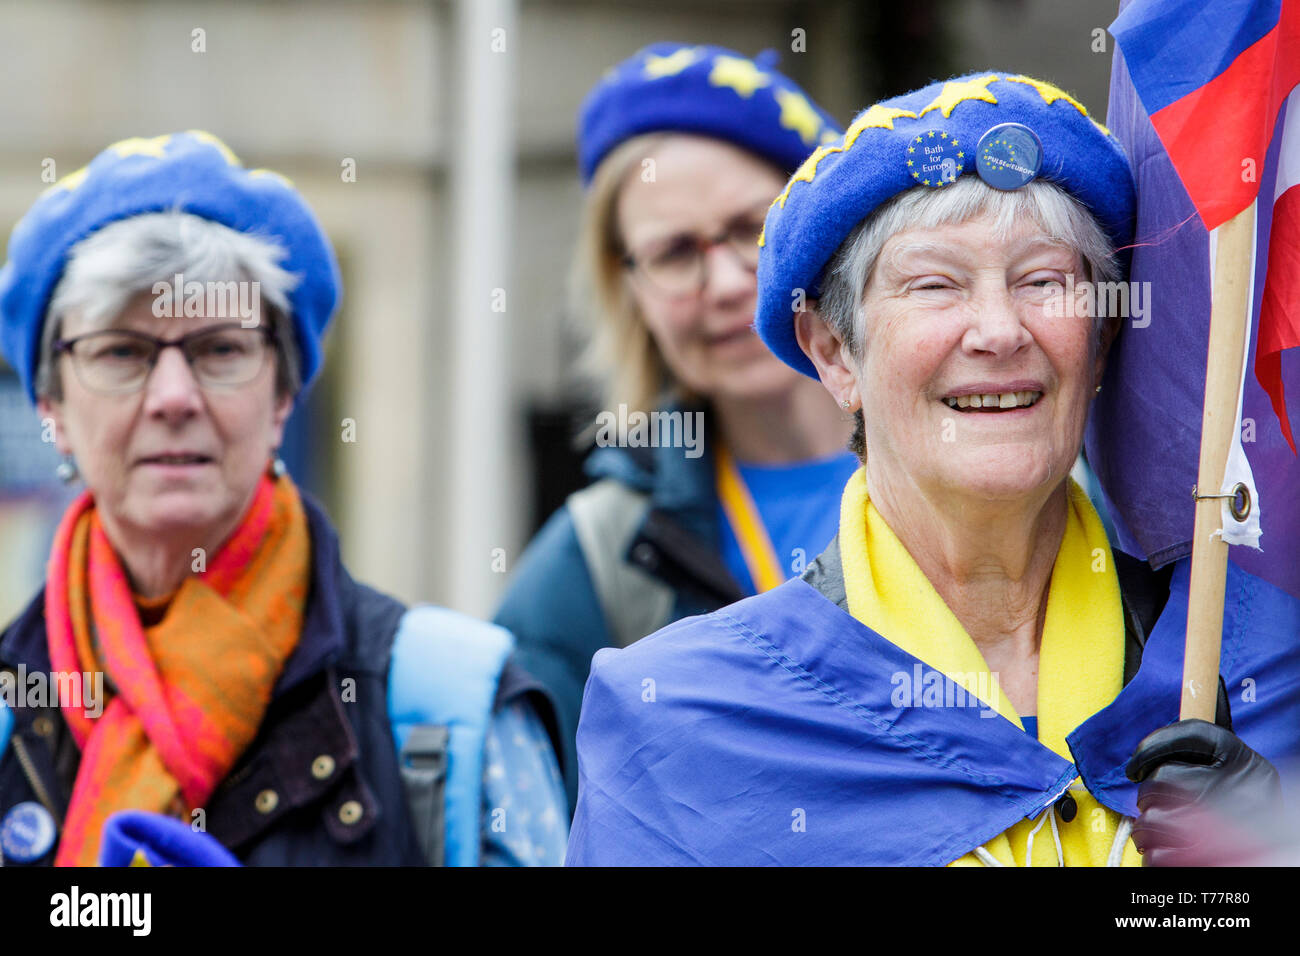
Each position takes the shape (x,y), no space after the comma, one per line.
(961,676)
(252,684)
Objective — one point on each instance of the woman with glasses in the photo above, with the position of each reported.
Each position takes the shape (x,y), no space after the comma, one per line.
(717,468)
(164,307)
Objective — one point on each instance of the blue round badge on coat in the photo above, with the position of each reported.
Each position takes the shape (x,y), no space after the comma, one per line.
(934,158)
(27,832)
(1009,156)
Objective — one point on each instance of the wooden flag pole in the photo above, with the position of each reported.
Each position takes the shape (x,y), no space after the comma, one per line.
(1232,268)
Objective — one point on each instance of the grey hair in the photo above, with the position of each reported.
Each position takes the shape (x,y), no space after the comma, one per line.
(1055,211)
(110,266)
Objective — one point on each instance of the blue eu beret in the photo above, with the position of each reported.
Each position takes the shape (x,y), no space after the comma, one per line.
(191,172)
(879,156)
(708,90)
(139,838)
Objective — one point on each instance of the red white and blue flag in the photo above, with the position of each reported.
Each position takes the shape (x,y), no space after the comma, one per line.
(1204,98)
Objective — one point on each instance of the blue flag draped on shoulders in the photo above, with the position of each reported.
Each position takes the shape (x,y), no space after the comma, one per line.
(773,732)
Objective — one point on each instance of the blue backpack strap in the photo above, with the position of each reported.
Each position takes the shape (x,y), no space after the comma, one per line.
(6,727)
(442,683)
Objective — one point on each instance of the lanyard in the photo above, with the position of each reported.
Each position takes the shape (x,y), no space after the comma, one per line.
(746,523)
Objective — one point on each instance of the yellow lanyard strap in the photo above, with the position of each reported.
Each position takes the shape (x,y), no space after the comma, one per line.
(746,523)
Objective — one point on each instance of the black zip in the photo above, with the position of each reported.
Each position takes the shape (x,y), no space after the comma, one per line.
(25,761)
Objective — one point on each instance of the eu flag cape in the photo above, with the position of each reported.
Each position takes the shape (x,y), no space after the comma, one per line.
(768,733)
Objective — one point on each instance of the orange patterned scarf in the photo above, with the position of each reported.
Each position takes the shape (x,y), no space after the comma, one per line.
(186,694)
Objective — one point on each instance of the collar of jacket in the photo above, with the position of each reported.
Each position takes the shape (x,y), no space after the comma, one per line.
(1143,593)
(678,485)
(678,541)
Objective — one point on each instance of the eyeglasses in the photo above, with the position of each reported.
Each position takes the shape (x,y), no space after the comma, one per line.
(119,360)
(678,266)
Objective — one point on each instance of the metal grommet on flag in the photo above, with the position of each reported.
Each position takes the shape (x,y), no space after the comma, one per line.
(1239,501)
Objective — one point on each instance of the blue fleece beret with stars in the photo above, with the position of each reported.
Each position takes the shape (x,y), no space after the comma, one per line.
(707,90)
(191,172)
(884,152)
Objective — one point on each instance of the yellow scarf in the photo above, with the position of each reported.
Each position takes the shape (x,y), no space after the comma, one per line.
(1080,665)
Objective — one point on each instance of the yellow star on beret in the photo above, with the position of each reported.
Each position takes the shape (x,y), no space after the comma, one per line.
(136,146)
(670,65)
(1048,92)
(203,136)
(877,117)
(955,91)
(739,74)
(272,173)
(70,181)
(798,114)
(806,171)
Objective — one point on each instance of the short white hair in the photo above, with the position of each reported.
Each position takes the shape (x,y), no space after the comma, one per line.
(1054,210)
(108,267)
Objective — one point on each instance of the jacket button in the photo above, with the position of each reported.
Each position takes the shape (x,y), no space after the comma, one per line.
(266,801)
(350,812)
(1067,808)
(43,726)
(322,767)
(645,555)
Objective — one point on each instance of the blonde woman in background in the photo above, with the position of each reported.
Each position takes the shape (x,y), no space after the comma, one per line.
(718,469)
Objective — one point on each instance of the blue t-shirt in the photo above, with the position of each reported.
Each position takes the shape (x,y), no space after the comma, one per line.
(1031,726)
(800,507)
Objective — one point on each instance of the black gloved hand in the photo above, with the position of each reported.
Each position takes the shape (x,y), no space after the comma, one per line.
(1199,783)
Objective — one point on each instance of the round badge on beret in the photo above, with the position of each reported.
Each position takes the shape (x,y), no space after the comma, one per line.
(934,158)
(1009,156)
(27,832)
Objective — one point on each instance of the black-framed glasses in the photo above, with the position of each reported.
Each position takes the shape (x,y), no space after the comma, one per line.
(678,266)
(119,360)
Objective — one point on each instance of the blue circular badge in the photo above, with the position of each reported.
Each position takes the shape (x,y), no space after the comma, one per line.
(27,832)
(934,158)
(1009,156)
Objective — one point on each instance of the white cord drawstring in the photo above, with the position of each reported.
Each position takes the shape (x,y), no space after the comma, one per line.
(987,858)
(1122,833)
(1115,857)
(1047,814)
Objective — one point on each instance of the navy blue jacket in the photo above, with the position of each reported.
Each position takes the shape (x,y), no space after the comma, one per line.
(551,605)
(347,635)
